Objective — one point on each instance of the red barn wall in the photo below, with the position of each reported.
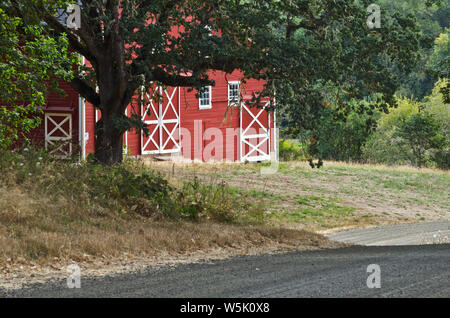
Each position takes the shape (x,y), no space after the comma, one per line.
(220,117)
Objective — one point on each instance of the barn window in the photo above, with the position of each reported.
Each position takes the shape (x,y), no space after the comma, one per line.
(233,93)
(204,101)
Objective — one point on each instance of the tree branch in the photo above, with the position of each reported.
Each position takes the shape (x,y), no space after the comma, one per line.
(86,91)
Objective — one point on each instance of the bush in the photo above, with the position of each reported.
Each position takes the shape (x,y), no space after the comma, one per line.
(217,201)
(343,140)
(124,190)
(420,134)
(290,150)
(413,133)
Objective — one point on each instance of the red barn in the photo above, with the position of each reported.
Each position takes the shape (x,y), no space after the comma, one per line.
(216,126)
(209,128)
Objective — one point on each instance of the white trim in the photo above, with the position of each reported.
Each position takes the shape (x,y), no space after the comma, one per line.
(209,106)
(179,118)
(82,111)
(276,136)
(82,119)
(240,135)
(159,123)
(149,122)
(125,149)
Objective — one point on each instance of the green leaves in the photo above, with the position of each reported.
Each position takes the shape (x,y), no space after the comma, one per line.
(414,133)
(30,60)
(420,132)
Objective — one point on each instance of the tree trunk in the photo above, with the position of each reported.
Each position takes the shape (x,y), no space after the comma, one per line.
(114,99)
(108,143)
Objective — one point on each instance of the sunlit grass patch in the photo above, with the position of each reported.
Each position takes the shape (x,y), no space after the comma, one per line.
(316,209)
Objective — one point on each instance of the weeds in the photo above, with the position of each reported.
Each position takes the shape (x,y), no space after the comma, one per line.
(218,202)
(126,189)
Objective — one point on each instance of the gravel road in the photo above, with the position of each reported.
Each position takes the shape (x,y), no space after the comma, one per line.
(406,271)
(398,234)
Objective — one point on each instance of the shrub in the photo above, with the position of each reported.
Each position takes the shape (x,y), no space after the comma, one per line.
(420,134)
(217,201)
(413,133)
(291,150)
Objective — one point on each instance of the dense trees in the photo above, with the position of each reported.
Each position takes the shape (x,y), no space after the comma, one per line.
(416,133)
(339,135)
(439,62)
(332,74)
(432,21)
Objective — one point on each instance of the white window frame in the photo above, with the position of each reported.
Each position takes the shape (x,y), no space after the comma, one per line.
(209,106)
(229,91)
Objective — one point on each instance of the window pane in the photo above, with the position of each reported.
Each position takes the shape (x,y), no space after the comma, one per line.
(233,92)
(205,96)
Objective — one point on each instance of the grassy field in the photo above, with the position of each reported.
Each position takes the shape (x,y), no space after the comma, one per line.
(338,195)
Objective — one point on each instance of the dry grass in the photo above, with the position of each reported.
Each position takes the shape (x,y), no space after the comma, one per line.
(35,228)
(48,217)
(54,213)
(373,166)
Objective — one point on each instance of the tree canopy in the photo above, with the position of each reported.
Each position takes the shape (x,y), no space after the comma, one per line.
(310,52)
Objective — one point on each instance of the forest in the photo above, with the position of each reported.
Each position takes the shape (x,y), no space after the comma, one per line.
(414,132)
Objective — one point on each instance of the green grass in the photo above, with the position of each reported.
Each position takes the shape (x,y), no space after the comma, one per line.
(342,194)
(315,209)
(426,186)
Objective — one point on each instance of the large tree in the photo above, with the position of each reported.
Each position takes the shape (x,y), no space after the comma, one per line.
(297,46)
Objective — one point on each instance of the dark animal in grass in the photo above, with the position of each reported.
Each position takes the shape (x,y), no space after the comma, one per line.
(317,165)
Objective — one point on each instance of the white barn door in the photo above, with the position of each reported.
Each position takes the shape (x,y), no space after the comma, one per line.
(255,134)
(58,134)
(161,115)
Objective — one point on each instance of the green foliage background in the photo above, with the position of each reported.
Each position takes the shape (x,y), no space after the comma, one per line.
(393,142)
(366,134)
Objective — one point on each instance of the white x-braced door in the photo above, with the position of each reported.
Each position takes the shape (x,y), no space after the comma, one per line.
(161,115)
(58,134)
(255,133)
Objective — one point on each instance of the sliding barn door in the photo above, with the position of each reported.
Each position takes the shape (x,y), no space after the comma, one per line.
(255,134)
(161,115)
